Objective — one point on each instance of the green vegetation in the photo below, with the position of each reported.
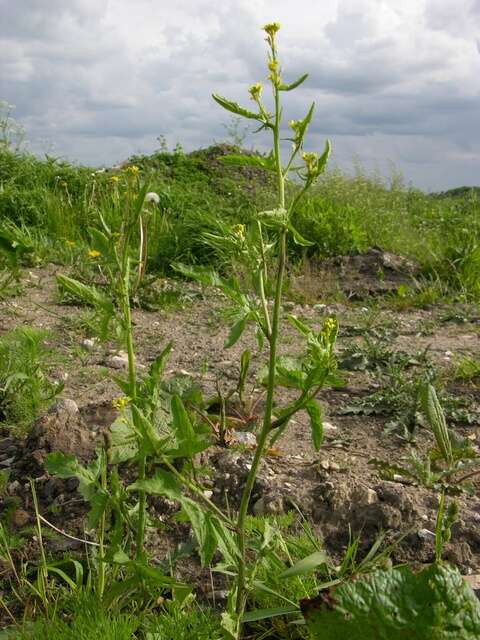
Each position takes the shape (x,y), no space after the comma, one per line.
(233,221)
(25,389)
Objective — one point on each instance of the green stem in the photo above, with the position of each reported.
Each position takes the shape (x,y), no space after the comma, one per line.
(263,436)
(101,537)
(267,418)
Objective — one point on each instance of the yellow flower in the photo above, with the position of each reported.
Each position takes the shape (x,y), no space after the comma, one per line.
(114,179)
(239,231)
(272,28)
(121,402)
(63,183)
(256,90)
(70,243)
(93,253)
(329,326)
(133,170)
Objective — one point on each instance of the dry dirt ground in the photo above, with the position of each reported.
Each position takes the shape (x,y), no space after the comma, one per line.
(336,489)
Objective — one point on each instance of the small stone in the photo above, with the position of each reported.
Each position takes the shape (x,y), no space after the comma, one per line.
(426,534)
(319,307)
(246,438)
(334,466)
(88,344)
(208,494)
(268,506)
(324,464)
(65,405)
(329,427)
(117,361)
(7,462)
(20,518)
(13,487)
(365,496)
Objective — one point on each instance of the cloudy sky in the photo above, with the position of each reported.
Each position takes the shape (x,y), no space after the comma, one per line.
(394,82)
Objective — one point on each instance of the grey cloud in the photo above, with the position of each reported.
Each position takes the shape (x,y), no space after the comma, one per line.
(102,83)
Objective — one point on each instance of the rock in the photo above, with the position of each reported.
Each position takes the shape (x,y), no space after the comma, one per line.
(269,505)
(6,444)
(426,534)
(117,361)
(364,496)
(20,518)
(7,462)
(13,487)
(246,438)
(88,344)
(328,427)
(320,308)
(65,405)
(62,429)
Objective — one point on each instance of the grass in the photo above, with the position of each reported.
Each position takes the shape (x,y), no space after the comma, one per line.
(47,206)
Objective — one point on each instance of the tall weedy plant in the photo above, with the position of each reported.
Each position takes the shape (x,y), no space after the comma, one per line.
(254,247)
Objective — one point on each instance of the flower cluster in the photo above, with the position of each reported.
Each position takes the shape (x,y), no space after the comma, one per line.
(121,403)
(255,91)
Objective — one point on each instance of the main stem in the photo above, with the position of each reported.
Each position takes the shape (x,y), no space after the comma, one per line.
(267,419)
(132,379)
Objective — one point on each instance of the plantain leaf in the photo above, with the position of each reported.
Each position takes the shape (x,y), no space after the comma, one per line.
(305,565)
(262,614)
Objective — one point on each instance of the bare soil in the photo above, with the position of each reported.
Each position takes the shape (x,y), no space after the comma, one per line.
(336,489)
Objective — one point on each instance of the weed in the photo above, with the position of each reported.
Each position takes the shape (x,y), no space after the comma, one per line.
(25,389)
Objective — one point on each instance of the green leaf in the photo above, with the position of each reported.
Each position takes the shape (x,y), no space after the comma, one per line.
(435,604)
(98,504)
(67,466)
(298,238)
(314,411)
(163,483)
(158,365)
(305,565)
(299,325)
(100,242)
(123,440)
(244,368)
(234,107)
(202,527)
(262,614)
(236,331)
(85,294)
(295,84)
(240,160)
(436,419)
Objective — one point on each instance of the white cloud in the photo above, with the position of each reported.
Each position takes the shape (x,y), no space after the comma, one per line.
(392,82)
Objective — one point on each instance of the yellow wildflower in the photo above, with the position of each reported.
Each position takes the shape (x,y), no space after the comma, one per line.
(93,253)
(121,402)
(64,183)
(70,243)
(133,170)
(114,179)
(255,91)
(239,231)
(272,28)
